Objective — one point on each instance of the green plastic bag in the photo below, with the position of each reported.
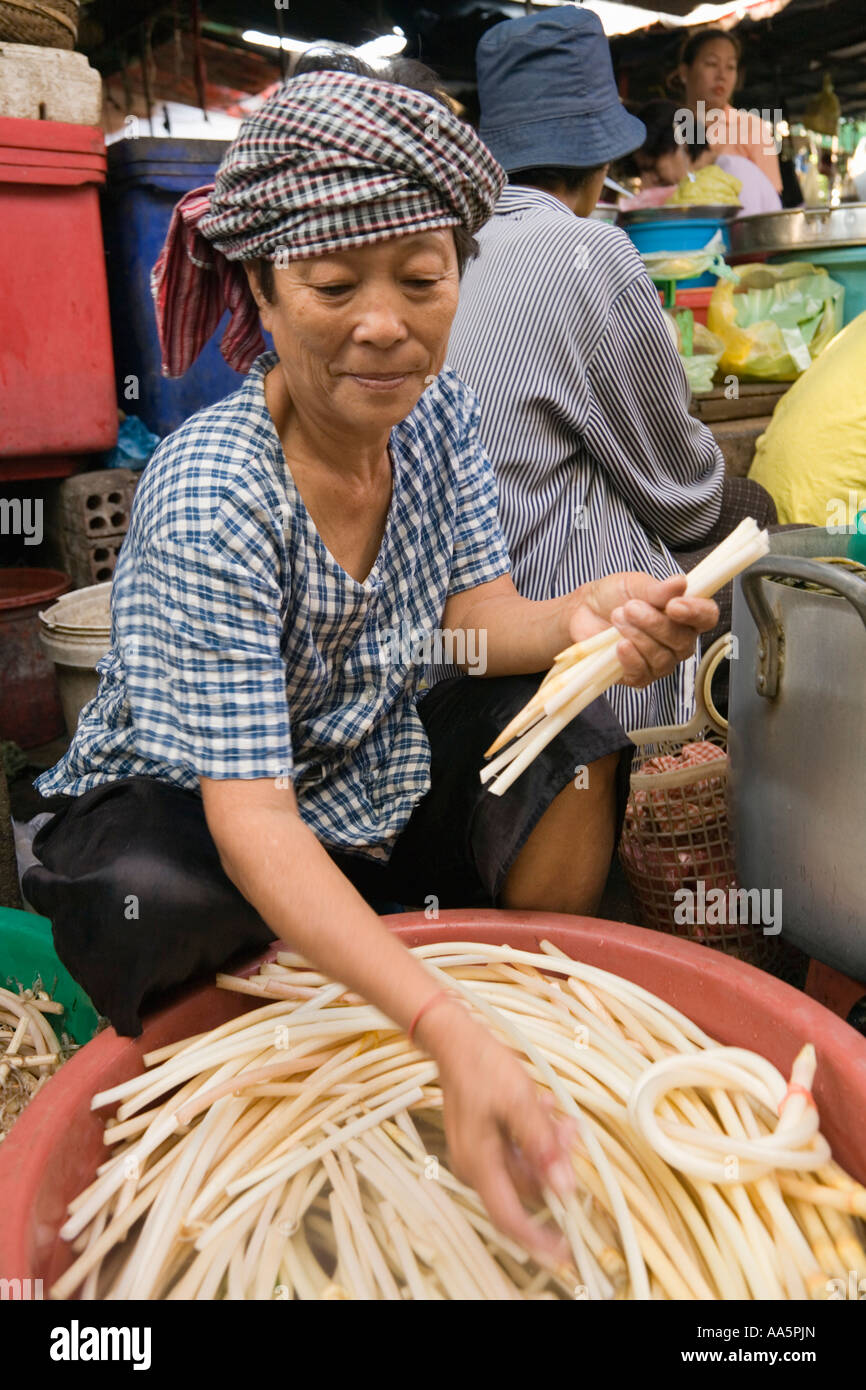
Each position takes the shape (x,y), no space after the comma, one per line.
(699,350)
(777,320)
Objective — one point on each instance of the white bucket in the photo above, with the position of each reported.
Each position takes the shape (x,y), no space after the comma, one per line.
(76,633)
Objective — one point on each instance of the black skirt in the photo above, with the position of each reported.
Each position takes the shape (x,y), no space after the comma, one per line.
(132,882)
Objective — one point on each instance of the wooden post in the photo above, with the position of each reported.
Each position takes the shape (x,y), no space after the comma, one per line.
(199,69)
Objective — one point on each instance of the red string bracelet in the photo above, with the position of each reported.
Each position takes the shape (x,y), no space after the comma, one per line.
(795,1089)
(428,1004)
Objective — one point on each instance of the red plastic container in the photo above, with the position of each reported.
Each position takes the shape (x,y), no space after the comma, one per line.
(56,363)
(13,470)
(30,710)
(696,300)
(54,1149)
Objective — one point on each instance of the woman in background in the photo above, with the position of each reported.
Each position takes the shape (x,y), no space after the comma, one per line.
(709,71)
(663,161)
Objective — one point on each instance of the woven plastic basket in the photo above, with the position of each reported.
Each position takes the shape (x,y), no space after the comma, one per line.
(42,23)
(676,847)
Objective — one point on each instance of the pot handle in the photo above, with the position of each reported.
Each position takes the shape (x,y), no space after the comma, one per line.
(769,629)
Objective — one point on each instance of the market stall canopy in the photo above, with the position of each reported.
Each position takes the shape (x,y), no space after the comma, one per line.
(788,44)
(614,13)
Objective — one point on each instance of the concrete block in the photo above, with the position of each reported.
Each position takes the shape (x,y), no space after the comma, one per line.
(95,504)
(87,521)
(49,84)
(88,561)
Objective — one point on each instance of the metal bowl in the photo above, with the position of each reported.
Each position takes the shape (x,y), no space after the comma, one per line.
(605,212)
(681,212)
(799,229)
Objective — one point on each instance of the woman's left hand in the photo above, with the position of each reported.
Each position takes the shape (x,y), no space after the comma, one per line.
(659,627)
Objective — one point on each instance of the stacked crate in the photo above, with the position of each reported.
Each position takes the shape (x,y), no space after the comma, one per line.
(89,520)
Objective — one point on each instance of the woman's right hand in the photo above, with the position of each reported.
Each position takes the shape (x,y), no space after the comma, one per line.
(503,1139)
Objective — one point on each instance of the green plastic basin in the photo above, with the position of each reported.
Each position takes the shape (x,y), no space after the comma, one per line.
(27,955)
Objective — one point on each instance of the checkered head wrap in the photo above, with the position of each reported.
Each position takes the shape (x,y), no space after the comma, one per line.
(331,160)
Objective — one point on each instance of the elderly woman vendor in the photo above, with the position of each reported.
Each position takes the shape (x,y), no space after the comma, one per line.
(257,762)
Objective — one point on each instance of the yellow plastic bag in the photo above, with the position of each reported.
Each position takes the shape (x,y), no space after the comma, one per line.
(776,320)
(663,266)
(710,186)
(812,456)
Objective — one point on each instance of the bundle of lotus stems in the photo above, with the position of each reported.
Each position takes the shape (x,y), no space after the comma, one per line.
(584,671)
(29,1050)
(297,1151)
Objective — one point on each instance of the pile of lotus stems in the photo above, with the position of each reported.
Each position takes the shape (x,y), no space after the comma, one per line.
(584,671)
(297,1151)
(29,1050)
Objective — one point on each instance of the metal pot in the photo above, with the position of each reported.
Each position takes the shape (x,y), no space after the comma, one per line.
(679,212)
(799,229)
(797,740)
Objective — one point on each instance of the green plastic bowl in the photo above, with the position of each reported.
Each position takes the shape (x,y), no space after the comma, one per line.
(27,955)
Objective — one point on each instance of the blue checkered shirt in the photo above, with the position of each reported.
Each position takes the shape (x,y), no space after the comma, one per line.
(241,649)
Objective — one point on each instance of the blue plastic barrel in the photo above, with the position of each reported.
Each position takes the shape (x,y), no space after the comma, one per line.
(145,179)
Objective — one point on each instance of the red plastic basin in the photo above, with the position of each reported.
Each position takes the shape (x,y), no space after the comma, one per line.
(56,1146)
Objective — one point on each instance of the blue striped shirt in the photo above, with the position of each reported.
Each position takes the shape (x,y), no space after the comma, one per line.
(584,413)
(242,649)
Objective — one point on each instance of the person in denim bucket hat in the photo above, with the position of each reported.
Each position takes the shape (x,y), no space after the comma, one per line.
(559,331)
(548,95)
